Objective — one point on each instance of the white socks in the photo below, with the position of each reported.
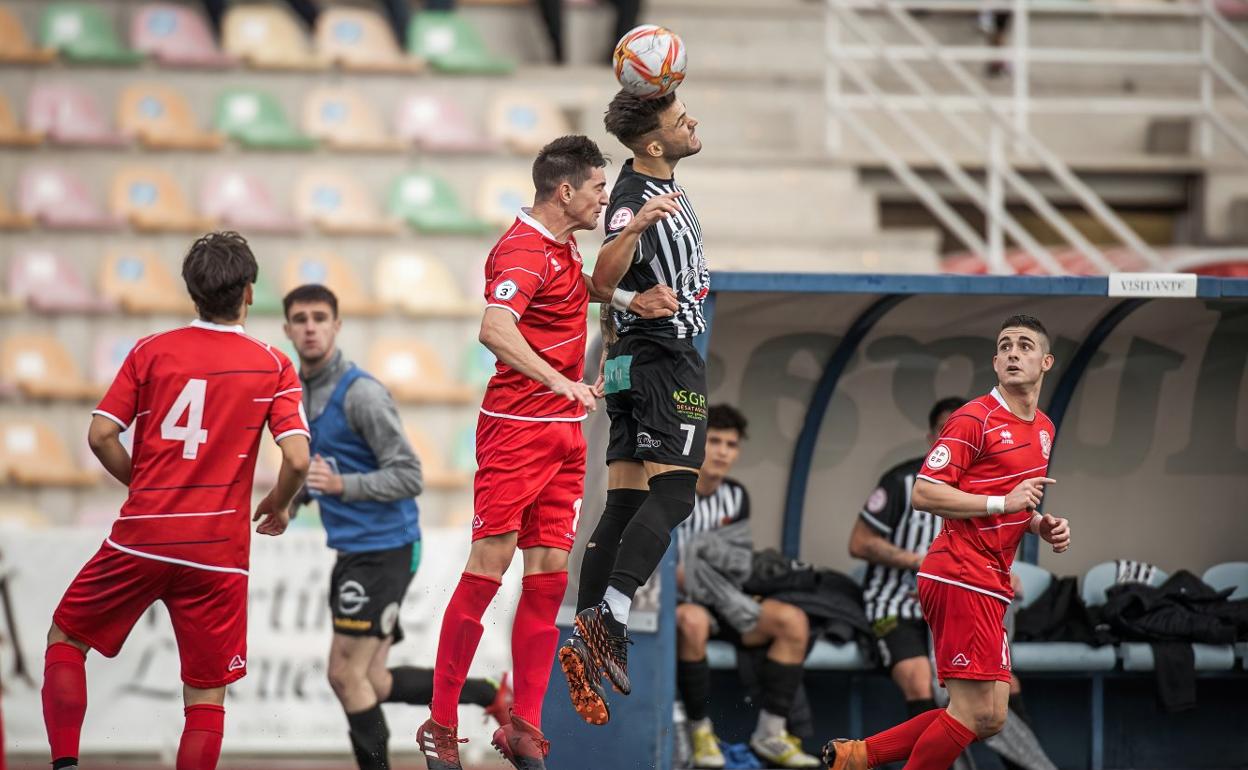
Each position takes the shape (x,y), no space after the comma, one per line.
(618,603)
(769,725)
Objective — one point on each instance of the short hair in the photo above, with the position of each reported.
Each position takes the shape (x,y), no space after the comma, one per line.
(570,159)
(726,417)
(1026,322)
(217,270)
(951,404)
(629,118)
(309,292)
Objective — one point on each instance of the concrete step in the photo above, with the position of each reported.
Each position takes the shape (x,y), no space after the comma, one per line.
(886,251)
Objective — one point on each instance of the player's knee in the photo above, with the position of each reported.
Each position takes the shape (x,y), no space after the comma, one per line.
(671,499)
(791,622)
(989,722)
(342,676)
(693,625)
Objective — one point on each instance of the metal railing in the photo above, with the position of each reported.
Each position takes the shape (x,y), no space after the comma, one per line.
(852,41)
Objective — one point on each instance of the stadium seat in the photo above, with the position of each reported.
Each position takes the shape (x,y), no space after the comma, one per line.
(413,373)
(477,366)
(1234,575)
(15,45)
(60,200)
(438,124)
(326,268)
(48,283)
(823,656)
(240,200)
(18,515)
(31,454)
(450,44)
(10,219)
(525,122)
(501,196)
(358,39)
(1053,656)
(435,471)
(345,121)
(176,36)
(151,199)
(11,133)
(419,285)
(66,113)
(41,367)
(83,32)
(464,456)
(339,205)
(428,203)
(254,118)
(267,37)
(108,354)
(265,299)
(140,282)
(161,118)
(1100,577)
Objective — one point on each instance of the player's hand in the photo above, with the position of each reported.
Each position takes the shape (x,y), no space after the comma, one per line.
(1027,495)
(657,208)
(1055,531)
(575,391)
(275,520)
(656,302)
(599,387)
(321,477)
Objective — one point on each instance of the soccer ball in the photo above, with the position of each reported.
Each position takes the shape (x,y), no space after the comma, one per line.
(649,61)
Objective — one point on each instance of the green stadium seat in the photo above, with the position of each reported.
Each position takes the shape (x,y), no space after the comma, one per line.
(83,32)
(265,299)
(450,44)
(255,119)
(428,203)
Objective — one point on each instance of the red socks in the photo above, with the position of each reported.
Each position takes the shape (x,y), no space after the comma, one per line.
(533,641)
(940,744)
(64,698)
(457,644)
(896,743)
(201,737)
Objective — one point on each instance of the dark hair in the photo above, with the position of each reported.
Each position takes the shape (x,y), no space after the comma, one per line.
(951,404)
(1026,322)
(309,292)
(217,269)
(568,159)
(725,417)
(629,118)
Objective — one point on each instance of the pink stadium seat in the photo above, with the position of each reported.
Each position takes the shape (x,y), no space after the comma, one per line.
(176,36)
(241,200)
(438,124)
(58,199)
(50,284)
(69,114)
(108,354)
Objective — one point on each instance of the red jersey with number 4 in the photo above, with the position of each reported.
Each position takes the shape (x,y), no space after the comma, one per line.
(538,280)
(985,449)
(198,398)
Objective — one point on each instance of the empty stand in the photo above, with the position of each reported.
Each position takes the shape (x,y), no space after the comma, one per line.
(413,373)
(31,454)
(160,117)
(15,45)
(48,283)
(176,36)
(108,354)
(11,133)
(427,202)
(438,123)
(419,285)
(328,269)
(67,113)
(1053,656)
(140,282)
(83,32)
(10,219)
(152,201)
(242,201)
(502,195)
(342,119)
(254,118)
(339,205)
(59,199)
(358,39)
(526,122)
(478,365)
(267,37)
(451,44)
(41,367)
(265,299)
(435,470)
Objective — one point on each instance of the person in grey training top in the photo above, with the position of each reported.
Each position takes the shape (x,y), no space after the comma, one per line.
(365,478)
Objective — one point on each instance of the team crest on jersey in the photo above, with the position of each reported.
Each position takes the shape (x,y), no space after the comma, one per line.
(620,218)
(1046,443)
(939,457)
(877,500)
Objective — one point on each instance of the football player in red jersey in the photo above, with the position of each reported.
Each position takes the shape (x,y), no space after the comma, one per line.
(985,476)
(197,398)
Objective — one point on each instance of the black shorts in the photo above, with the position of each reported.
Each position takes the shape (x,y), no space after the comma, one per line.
(367,588)
(656,399)
(900,640)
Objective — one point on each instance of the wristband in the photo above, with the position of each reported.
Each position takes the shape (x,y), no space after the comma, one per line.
(996,504)
(621,299)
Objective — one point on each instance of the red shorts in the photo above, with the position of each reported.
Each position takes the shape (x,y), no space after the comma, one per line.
(968,632)
(208,610)
(530,479)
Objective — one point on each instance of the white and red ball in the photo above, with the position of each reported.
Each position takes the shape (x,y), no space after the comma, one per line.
(649,61)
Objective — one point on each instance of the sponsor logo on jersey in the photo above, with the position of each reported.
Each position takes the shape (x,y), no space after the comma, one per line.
(646,441)
(351,624)
(506,290)
(690,403)
(961,660)
(351,597)
(1046,443)
(477,522)
(236,663)
(1007,437)
(939,457)
(620,219)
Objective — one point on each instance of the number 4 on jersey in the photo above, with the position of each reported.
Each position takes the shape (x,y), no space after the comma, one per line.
(190,401)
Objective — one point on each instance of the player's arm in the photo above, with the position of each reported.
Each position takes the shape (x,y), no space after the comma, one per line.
(868,544)
(502,336)
(952,503)
(658,301)
(618,252)
(371,413)
(273,512)
(104,436)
